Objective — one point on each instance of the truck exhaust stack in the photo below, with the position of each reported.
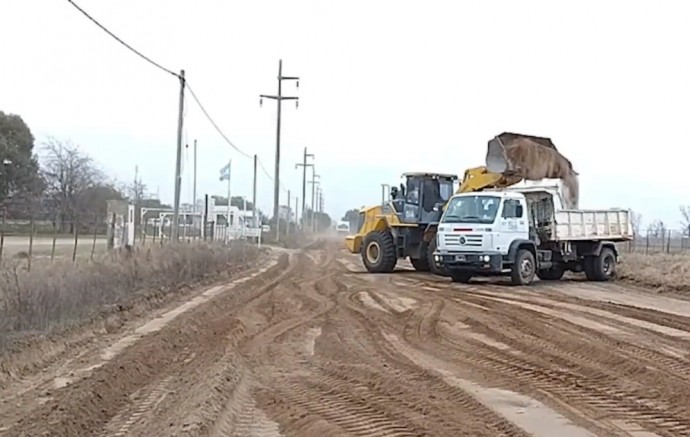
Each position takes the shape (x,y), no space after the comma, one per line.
(533,158)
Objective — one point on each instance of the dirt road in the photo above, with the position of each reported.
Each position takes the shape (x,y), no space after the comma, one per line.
(309,346)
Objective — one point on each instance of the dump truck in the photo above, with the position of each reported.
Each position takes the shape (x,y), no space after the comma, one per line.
(405,226)
(525,230)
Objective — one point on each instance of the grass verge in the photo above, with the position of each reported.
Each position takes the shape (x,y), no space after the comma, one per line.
(662,271)
(55,297)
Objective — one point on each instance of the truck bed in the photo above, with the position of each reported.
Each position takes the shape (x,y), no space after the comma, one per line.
(604,224)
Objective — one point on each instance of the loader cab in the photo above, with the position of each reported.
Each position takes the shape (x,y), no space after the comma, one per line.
(421,196)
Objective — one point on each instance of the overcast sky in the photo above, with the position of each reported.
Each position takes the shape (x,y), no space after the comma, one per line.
(387,87)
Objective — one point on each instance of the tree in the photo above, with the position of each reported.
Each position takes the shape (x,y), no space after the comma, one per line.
(636,221)
(657,229)
(351,216)
(20,178)
(685,222)
(71,180)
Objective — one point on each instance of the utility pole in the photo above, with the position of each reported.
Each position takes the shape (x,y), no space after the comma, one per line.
(313,183)
(297,213)
(225,175)
(178,163)
(287,228)
(194,187)
(279,98)
(254,194)
(304,166)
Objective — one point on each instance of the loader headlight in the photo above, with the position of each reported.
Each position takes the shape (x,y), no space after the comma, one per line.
(487,258)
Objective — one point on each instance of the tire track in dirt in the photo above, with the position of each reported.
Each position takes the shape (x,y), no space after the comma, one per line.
(559,357)
(88,404)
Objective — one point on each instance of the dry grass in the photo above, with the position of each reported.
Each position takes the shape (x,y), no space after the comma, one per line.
(663,271)
(53,297)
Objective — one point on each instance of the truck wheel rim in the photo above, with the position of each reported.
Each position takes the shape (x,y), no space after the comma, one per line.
(608,266)
(525,268)
(373,252)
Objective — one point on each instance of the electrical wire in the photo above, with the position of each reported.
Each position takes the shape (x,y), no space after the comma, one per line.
(146,58)
(196,99)
(186,84)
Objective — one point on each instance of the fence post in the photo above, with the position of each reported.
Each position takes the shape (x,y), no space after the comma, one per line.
(76,238)
(2,231)
(52,249)
(32,226)
(646,249)
(668,242)
(95,233)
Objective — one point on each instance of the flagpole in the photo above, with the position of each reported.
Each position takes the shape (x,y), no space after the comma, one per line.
(227,232)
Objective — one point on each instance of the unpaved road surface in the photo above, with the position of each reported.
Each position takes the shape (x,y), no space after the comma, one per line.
(310,346)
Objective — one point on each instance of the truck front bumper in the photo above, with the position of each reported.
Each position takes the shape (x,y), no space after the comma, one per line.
(470,261)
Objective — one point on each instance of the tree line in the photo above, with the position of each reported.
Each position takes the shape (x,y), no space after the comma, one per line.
(57,182)
(60,184)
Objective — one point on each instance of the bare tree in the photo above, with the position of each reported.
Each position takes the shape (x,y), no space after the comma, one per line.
(685,222)
(657,229)
(71,178)
(635,221)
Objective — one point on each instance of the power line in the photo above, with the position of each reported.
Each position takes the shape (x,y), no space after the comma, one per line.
(185,84)
(196,99)
(146,58)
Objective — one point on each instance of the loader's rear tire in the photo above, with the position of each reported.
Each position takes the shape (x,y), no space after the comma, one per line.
(378,252)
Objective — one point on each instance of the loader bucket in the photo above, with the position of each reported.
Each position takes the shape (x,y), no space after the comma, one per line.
(532,158)
(496,159)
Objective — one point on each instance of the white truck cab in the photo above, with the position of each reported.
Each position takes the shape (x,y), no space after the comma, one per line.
(523,231)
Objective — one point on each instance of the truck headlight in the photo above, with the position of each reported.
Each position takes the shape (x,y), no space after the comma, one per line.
(437,258)
(487,258)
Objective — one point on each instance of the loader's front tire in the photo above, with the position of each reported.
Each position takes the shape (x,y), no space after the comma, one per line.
(378,252)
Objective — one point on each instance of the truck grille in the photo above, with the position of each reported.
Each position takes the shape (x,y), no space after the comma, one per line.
(455,240)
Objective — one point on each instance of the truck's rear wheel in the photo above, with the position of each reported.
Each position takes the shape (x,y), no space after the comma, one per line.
(378,252)
(524,268)
(421,264)
(555,273)
(602,267)
(463,277)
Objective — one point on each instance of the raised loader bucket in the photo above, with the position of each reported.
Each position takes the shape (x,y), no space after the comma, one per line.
(496,160)
(532,158)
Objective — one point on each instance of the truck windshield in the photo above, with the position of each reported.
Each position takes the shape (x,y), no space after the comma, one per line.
(472,209)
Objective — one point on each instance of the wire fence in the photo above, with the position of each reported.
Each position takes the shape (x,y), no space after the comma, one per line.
(85,239)
(669,241)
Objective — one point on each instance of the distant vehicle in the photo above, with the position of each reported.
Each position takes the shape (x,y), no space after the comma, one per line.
(343,228)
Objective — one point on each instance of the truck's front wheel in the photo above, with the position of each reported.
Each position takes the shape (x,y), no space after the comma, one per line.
(603,267)
(524,268)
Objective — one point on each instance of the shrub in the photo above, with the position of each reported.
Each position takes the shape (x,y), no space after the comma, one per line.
(55,296)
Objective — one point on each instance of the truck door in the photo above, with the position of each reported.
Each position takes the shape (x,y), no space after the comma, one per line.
(513,224)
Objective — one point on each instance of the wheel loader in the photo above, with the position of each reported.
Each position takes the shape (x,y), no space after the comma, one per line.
(405,225)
